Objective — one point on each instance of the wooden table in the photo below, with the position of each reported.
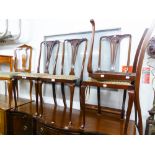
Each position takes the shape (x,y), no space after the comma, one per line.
(5,59)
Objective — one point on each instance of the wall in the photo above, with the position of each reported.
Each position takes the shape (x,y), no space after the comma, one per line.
(34,30)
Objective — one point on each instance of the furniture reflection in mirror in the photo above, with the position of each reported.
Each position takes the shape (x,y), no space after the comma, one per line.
(23,60)
(129,82)
(69,78)
(4,76)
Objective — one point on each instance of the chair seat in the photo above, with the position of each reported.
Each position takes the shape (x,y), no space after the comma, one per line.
(116,84)
(45,76)
(108,75)
(7,75)
(60,77)
(28,75)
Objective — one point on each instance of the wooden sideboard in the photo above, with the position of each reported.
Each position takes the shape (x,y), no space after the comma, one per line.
(54,121)
(4,108)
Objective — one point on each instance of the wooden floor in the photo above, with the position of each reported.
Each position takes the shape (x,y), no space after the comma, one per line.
(101,124)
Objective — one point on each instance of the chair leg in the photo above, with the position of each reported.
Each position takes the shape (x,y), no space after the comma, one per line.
(140,122)
(72,87)
(16,88)
(36,92)
(54,94)
(130,105)
(63,94)
(135,112)
(41,97)
(82,102)
(31,85)
(99,100)
(14,83)
(123,104)
(10,91)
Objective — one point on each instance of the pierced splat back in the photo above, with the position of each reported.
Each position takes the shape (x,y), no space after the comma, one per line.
(75,43)
(49,48)
(114,41)
(23,58)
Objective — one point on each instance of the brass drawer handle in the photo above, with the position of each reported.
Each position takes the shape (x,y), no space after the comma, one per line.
(41,129)
(24,117)
(25,127)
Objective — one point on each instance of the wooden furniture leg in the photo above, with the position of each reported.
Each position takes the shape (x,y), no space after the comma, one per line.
(123,104)
(36,91)
(63,94)
(16,86)
(54,94)
(31,85)
(99,99)
(41,97)
(82,102)
(135,112)
(10,91)
(137,104)
(72,87)
(14,83)
(130,105)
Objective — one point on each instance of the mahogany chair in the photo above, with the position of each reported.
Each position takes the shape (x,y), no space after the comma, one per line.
(64,79)
(22,63)
(48,47)
(129,82)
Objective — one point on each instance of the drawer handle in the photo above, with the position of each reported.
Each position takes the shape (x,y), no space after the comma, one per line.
(41,129)
(24,117)
(25,127)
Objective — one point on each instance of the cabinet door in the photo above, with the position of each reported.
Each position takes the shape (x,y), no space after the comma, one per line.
(19,123)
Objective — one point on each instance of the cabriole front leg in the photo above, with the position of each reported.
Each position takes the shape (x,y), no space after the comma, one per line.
(82,102)
(72,87)
(36,92)
(41,97)
(10,91)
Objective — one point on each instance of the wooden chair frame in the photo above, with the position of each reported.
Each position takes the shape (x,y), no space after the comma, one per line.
(35,76)
(70,79)
(130,85)
(24,61)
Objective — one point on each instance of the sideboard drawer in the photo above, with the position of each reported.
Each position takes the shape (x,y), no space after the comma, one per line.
(43,129)
(19,123)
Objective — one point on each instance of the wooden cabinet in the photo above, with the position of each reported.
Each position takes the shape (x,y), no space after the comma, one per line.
(19,123)
(3,128)
(23,122)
